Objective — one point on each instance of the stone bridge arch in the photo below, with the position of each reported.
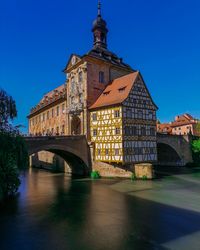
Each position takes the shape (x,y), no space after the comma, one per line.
(174,149)
(73,149)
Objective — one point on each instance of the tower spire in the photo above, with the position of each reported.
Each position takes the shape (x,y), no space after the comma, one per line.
(99,7)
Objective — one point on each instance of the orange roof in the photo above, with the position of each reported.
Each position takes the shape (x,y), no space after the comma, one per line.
(164,128)
(182,120)
(116,92)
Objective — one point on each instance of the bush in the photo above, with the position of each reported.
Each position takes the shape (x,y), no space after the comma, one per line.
(13,157)
(9,177)
(95,175)
(133,177)
(196,151)
(144,178)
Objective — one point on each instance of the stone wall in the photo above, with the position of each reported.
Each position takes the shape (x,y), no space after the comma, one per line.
(49,161)
(109,170)
(144,171)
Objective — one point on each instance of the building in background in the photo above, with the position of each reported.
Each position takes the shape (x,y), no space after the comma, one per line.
(164,128)
(182,125)
(185,124)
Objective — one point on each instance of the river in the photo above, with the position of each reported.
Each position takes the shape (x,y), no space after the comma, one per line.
(54,211)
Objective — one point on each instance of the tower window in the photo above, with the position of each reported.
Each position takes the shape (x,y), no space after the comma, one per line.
(52,112)
(101,77)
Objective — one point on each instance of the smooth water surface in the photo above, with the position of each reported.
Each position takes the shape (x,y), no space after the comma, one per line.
(53,211)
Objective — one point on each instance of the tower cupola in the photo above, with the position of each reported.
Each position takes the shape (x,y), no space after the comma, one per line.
(100,30)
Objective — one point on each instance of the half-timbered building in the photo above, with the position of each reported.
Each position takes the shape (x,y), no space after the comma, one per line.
(123,122)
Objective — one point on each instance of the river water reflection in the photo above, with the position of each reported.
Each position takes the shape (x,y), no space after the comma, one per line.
(54,211)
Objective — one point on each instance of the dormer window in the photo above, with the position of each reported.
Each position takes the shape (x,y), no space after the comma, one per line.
(106,93)
(122,89)
(101,77)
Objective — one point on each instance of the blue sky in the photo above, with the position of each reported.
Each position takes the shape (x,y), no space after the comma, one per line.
(159,38)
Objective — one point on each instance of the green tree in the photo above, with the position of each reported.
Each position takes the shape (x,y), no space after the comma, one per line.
(13,153)
(196,150)
(8,111)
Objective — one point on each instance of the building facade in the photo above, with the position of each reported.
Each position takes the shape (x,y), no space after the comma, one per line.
(123,122)
(104,99)
(49,116)
(182,125)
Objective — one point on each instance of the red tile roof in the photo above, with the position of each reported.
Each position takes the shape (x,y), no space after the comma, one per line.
(182,120)
(116,92)
(164,128)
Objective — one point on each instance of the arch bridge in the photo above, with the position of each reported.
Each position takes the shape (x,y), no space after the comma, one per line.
(174,150)
(73,149)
